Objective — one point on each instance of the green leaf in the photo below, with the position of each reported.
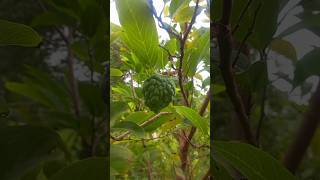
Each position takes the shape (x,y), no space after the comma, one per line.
(117,107)
(174,5)
(18,34)
(91,97)
(90,19)
(91,168)
(140,32)
(266,22)
(31,92)
(51,19)
(252,162)
(121,158)
(115,32)
(129,125)
(139,116)
(24,147)
(159,122)
(194,117)
(115,72)
(284,48)
(307,66)
(199,51)
(255,78)
(217,88)
(183,13)
(57,88)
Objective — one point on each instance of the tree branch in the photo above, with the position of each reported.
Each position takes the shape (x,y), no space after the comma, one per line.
(250,31)
(310,123)
(144,124)
(225,48)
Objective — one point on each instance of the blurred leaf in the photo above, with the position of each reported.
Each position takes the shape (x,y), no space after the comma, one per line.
(91,97)
(255,78)
(183,13)
(194,117)
(266,22)
(252,162)
(18,34)
(30,91)
(218,89)
(51,19)
(284,48)
(174,5)
(80,49)
(121,158)
(115,72)
(90,18)
(171,45)
(24,147)
(91,168)
(307,66)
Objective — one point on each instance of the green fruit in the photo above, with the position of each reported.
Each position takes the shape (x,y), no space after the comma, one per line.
(158,92)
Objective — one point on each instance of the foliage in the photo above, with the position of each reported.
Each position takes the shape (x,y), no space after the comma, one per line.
(43,135)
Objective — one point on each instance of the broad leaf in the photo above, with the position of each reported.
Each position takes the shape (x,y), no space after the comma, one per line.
(120,158)
(91,96)
(199,51)
(140,32)
(115,72)
(174,5)
(307,66)
(194,117)
(252,162)
(91,168)
(24,147)
(33,92)
(266,22)
(18,34)
(284,48)
(255,78)
(218,89)
(129,125)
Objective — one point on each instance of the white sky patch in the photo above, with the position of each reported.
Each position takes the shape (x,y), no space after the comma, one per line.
(201,21)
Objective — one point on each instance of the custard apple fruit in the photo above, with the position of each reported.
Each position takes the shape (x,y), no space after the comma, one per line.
(158,92)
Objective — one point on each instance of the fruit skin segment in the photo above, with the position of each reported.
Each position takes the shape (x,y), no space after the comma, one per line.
(158,92)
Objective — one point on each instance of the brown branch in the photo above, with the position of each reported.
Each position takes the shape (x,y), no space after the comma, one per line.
(225,48)
(310,123)
(183,40)
(187,141)
(72,79)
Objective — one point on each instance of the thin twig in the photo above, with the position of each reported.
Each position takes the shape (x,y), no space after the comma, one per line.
(241,16)
(263,57)
(250,31)
(144,124)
